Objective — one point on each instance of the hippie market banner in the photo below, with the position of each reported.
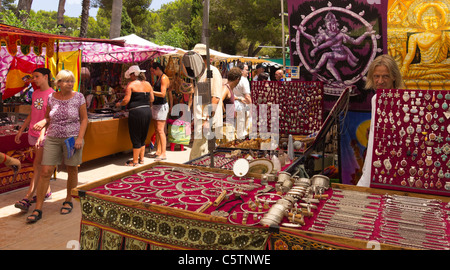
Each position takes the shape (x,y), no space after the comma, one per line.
(334,42)
(419,41)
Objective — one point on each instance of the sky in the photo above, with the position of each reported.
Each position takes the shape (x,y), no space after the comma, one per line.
(73,7)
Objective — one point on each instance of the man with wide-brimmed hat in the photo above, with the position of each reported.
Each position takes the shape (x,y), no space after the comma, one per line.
(201,115)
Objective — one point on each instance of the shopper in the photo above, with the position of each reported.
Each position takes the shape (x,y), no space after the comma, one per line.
(201,116)
(383,73)
(138,96)
(258,70)
(234,76)
(242,101)
(279,75)
(160,109)
(12,163)
(66,118)
(35,121)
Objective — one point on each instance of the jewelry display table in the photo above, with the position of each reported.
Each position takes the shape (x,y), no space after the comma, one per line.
(172,206)
(366,218)
(176,206)
(225,158)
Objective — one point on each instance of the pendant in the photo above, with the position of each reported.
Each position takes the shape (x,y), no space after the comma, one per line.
(405,96)
(411,181)
(438,184)
(429,117)
(447,114)
(428,161)
(418,183)
(405,108)
(402,132)
(406,118)
(410,130)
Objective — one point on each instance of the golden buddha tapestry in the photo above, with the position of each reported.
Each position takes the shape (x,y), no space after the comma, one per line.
(334,42)
(419,40)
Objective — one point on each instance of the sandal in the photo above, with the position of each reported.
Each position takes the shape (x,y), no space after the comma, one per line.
(47,196)
(141,161)
(23,204)
(68,209)
(160,158)
(130,163)
(153,155)
(34,218)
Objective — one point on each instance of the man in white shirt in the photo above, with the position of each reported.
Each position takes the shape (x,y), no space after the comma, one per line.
(242,98)
(383,73)
(201,115)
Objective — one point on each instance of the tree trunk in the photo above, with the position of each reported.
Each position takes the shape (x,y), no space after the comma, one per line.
(26,6)
(61,11)
(116,19)
(84,18)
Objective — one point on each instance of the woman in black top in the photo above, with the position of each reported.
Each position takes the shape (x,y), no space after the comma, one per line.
(160,108)
(138,95)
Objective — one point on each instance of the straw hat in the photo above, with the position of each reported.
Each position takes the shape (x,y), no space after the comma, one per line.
(200,48)
(133,69)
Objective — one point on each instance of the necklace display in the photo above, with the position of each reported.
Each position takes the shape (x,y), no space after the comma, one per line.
(300,104)
(412,141)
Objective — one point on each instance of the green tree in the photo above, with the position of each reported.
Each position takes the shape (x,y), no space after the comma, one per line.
(41,21)
(174,37)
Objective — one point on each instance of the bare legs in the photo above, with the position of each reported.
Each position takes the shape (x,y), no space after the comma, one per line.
(38,152)
(43,184)
(161,140)
(138,155)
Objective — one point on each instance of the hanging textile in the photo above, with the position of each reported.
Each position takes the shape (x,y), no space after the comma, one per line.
(15,80)
(68,61)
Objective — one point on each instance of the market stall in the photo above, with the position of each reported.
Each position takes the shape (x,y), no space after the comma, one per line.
(175,206)
(27,50)
(172,206)
(107,131)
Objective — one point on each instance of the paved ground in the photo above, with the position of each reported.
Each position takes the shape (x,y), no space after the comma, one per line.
(55,231)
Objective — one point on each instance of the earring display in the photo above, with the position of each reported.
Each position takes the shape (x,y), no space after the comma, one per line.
(412,141)
(300,105)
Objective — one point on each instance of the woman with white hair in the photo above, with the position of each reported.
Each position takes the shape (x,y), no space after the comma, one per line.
(66,118)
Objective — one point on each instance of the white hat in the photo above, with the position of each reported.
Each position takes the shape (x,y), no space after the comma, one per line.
(133,69)
(200,48)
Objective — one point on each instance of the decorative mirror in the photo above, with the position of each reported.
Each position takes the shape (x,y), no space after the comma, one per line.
(192,65)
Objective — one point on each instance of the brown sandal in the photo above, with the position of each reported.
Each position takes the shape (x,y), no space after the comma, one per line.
(33,217)
(130,163)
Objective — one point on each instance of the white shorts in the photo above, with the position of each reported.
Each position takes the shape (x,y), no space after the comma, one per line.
(160,112)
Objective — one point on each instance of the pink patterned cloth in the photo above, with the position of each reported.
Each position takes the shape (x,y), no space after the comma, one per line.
(65,116)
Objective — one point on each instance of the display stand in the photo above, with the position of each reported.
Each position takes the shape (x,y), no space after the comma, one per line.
(165,206)
(334,117)
(412,141)
(300,105)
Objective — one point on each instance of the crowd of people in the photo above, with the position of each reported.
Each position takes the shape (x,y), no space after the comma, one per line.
(58,120)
